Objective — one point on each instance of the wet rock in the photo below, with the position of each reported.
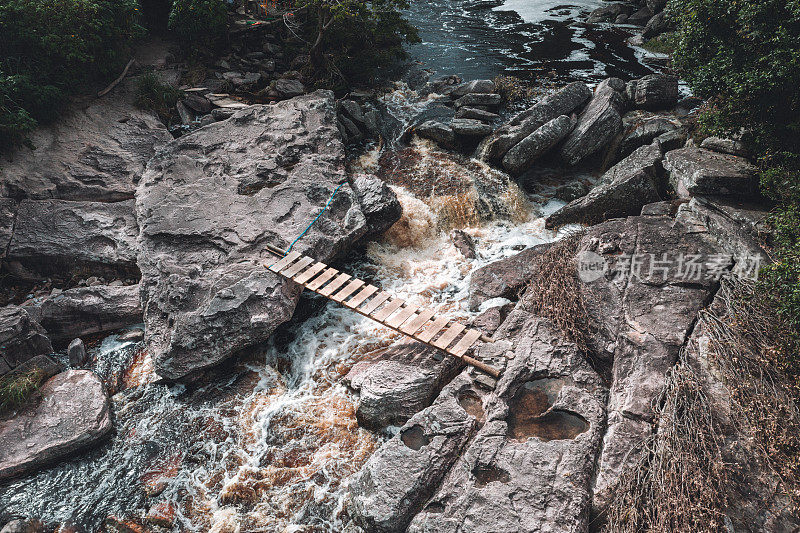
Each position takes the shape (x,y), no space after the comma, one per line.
(76,352)
(477,114)
(378,202)
(288,88)
(221,113)
(475,86)
(24,526)
(88,310)
(522,156)
(479,99)
(597,125)
(54,236)
(8,212)
(398,478)
(134,335)
(97,152)
(529,467)
(571,191)
(562,102)
(206,120)
(161,514)
(351,132)
(197,103)
(696,171)
(73,413)
(440,133)
(353,110)
(463,243)
(640,17)
(655,91)
(470,128)
(491,319)
(270,170)
(21,338)
(187,117)
(726,146)
(504,278)
(630,184)
(609,13)
(399,382)
(657,25)
(643,314)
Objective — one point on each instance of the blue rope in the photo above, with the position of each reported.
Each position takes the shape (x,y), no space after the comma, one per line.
(327,205)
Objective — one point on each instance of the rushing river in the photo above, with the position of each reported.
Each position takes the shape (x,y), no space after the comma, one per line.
(270,442)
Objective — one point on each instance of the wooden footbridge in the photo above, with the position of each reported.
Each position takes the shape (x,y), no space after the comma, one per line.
(421,325)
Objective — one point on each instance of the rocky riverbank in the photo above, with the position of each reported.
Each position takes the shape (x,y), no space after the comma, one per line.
(172,233)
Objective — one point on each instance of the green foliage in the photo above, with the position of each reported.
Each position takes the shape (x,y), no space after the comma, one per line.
(152,93)
(51,47)
(661,44)
(15,389)
(199,23)
(351,40)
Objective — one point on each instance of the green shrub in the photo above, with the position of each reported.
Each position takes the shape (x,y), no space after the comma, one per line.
(199,23)
(662,44)
(152,93)
(15,389)
(49,48)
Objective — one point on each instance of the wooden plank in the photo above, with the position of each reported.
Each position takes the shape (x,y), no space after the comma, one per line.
(285,261)
(402,316)
(449,336)
(310,273)
(362,295)
(322,279)
(433,329)
(297,267)
(417,322)
(334,285)
(373,304)
(349,289)
(384,312)
(466,342)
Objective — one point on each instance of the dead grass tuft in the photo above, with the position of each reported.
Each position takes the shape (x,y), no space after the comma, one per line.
(16,388)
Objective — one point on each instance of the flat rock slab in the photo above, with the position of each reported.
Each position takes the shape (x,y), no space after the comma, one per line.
(93,153)
(505,278)
(72,413)
(52,235)
(210,202)
(696,171)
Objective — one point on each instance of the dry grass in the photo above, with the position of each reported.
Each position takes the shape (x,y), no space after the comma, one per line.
(15,389)
(686,480)
(512,89)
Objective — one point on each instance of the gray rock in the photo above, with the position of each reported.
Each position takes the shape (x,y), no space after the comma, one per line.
(597,125)
(657,25)
(88,310)
(197,103)
(609,13)
(626,187)
(522,156)
(73,413)
(398,383)
(76,351)
(440,133)
(470,128)
(288,88)
(21,338)
(477,114)
(352,133)
(641,131)
(493,318)
(672,140)
(187,117)
(695,171)
(53,236)
(656,6)
(475,86)
(134,335)
(563,102)
(43,364)
(571,191)
(479,99)
(353,110)
(640,17)
(24,526)
(463,243)
(97,152)
(726,146)
(221,113)
(206,120)
(270,171)
(658,209)
(378,202)
(655,91)
(8,213)
(504,278)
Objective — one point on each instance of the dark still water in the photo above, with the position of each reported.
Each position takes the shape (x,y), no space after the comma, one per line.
(524,38)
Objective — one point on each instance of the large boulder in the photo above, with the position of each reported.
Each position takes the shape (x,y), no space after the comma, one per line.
(726,146)
(21,338)
(475,86)
(696,171)
(597,125)
(71,413)
(56,236)
(97,152)
(632,183)
(399,382)
(522,156)
(438,132)
(640,129)
(209,203)
(378,202)
(470,128)
(505,278)
(609,13)
(562,102)
(87,311)
(655,91)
